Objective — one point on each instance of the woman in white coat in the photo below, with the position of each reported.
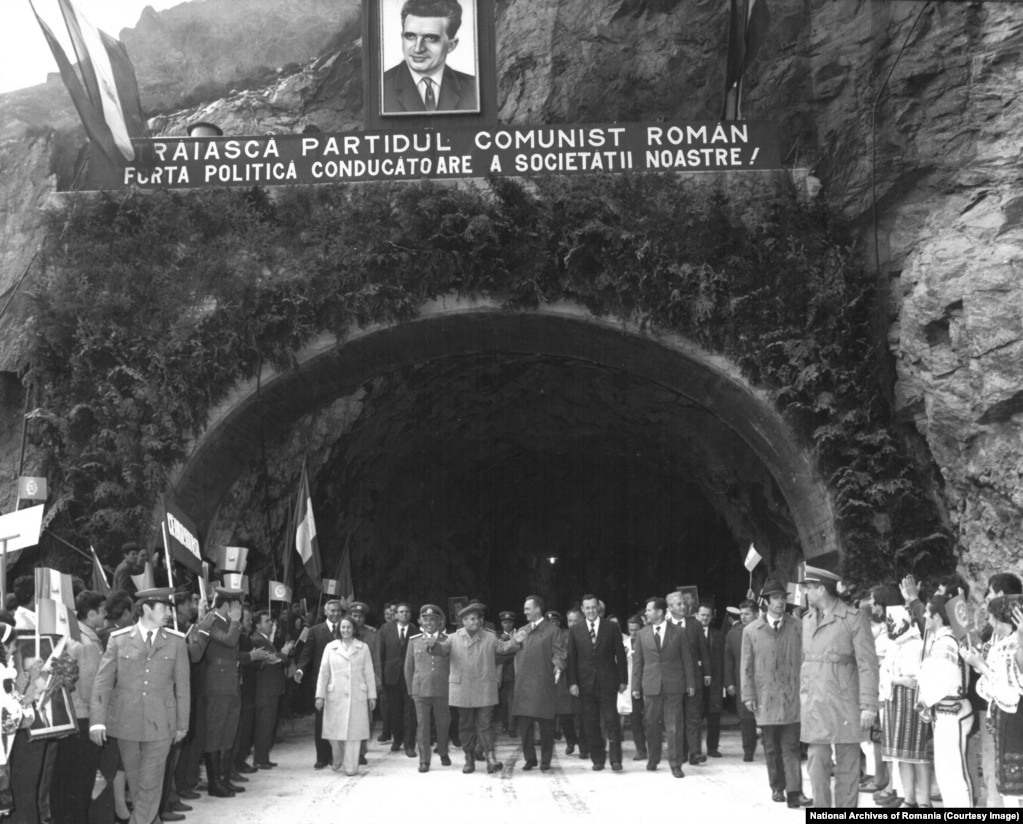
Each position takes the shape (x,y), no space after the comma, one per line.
(346,692)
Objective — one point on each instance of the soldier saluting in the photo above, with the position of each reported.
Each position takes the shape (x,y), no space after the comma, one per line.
(141,698)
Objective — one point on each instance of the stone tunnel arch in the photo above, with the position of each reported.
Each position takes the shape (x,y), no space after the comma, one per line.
(456,335)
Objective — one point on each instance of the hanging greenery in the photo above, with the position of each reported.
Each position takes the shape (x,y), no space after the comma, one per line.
(153,306)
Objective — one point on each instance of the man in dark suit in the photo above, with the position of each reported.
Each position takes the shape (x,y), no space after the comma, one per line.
(309,661)
(269,689)
(713,679)
(423,82)
(597,672)
(662,672)
(394,638)
(699,651)
(540,659)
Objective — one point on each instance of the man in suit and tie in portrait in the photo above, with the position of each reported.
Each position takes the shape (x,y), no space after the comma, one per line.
(597,672)
(423,82)
(662,673)
(141,697)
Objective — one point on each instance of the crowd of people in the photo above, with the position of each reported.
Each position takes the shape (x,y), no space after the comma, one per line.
(172,696)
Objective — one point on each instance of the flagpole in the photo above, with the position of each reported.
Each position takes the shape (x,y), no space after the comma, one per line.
(3,565)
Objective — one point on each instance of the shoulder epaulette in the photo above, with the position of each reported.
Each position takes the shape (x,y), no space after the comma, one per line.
(417,635)
(122,631)
(490,630)
(176,632)
(368,628)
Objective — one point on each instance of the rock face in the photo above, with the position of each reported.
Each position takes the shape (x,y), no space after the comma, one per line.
(913,107)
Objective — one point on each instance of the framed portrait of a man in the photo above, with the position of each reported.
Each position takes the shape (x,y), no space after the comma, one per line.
(429,57)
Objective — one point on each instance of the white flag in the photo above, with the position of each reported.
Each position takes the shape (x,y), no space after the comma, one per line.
(752,558)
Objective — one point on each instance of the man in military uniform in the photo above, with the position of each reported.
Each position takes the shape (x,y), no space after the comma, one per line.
(371,637)
(506,676)
(427,664)
(141,698)
(223,696)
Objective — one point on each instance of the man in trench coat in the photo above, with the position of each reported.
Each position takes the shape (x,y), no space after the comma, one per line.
(771,657)
(838,688)
(541,654)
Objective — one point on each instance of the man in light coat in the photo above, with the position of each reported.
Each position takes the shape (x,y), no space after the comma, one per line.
(838,688)
(141,697)
(541,654)
(772,654)
(472,685)
(427,667)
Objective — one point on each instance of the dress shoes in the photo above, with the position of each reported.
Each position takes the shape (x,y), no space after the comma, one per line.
(445,761)
(640,756)
(243,767)
(178,807)
(319,765)
(694,761)
(545,768)
(651,766)
(714,753)
(597,767)
(569,749)
(189,794)
(677,772)
(169,816)
(616,767)
(383,739)
(529,765)
(779,796)
(362,761)
(396,746)
(424,768)
(748,757)
(411,752)
(797,800)
(266,765)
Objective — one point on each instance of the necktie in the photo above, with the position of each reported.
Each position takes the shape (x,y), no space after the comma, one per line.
(593,632)
(401,632)
(657,636)
(149,641)
(336,632)
(776,625)
(429,98)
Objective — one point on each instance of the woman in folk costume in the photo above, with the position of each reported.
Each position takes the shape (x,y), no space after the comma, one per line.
(905,733)
(944,682)
(346,692)
(1001,685)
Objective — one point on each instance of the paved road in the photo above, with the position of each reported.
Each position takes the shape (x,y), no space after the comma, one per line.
(391,789)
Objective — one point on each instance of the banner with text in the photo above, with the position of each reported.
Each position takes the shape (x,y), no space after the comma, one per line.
(450,152)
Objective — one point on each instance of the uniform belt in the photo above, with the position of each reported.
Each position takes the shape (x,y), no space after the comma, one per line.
(949,706)
(830,657)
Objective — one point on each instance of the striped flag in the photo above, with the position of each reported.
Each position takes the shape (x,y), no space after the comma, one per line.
(306,544)
(748,22)
(103,89)
(99,576)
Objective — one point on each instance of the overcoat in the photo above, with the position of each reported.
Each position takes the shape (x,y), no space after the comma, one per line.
(140,695)
(839,675)
(542,651)
(473,678)
(770,669)
(733,667)
(346,683)
(427,670)
(714,666)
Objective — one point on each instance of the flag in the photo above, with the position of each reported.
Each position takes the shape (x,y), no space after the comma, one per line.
(347,585)
(959,619)
(180,537)
(145,580)
(752,558)
(99,576)
(306,544)
(748,22)
(330,586)
(31,489)
(103,89)
(55,603)
(280,592)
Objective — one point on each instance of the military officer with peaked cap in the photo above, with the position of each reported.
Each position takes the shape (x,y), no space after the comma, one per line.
(427,665)
(222,691)
(141,698)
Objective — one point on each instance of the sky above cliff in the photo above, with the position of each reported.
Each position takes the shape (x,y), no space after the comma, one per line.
(25,59)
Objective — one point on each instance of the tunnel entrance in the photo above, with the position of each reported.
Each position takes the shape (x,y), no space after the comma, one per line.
(459,453)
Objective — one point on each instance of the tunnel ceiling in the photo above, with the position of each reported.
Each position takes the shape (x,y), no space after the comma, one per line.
(461,475)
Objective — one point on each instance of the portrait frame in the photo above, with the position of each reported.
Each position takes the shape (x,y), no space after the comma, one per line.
(55,715)
(397,94)
(455,606)
(690,598)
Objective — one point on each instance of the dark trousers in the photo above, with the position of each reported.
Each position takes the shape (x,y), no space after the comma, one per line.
(748,731)
(170,790)
(600,709)
(475,729)
(713,730)
(30,785)
(664,721)
(101,810)
(692,710)
(546,739)
(263,730)
(401,713)
(74,776)
(246,730)
(638,724)
(384,708)
(781,749)
(324,753)
(504,699)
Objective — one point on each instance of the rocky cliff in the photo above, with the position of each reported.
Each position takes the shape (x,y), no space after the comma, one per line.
(909,113)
